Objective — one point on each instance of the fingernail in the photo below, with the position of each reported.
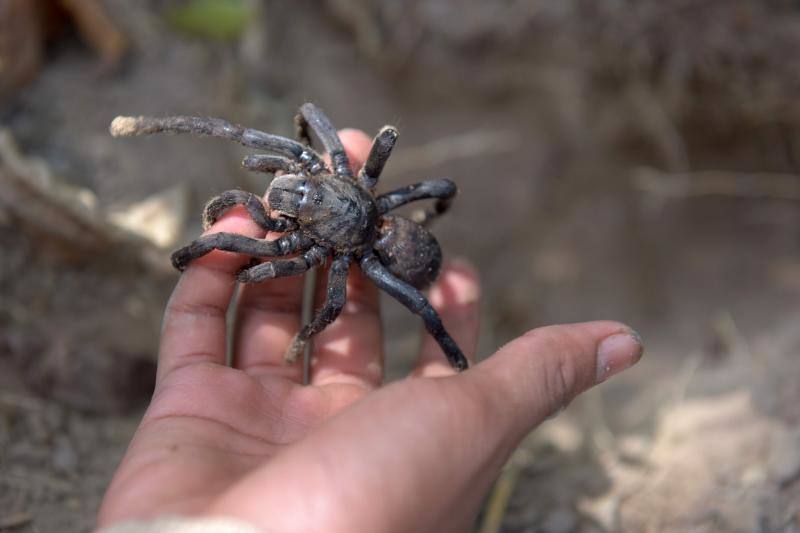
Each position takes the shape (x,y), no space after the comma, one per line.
(618,352)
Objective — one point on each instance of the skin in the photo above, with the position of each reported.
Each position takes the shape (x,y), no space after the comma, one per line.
(344,453)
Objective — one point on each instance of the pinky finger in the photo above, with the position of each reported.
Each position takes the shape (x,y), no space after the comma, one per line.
(455,296)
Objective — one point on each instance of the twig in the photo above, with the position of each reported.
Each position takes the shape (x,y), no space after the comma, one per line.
(717,183)
(728,331)
(658,123)
(15,520)
(603,437)
(68,214)
(686,374)
(29,190)
(499,498)
(99,29)
(472,144)
(20,402)
(27,479)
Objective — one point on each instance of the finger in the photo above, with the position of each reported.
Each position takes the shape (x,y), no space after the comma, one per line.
(194,327)
(350,349)
(268,317)
(538,374)
(356,144)
(455,296)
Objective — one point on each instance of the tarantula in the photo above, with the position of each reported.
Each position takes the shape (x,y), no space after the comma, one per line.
(323,210)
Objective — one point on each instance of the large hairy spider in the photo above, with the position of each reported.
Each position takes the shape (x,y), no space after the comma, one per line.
(323,210)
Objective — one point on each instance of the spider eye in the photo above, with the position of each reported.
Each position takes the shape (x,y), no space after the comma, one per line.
(304,188)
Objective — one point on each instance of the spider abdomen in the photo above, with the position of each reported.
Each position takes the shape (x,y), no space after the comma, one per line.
(409,251)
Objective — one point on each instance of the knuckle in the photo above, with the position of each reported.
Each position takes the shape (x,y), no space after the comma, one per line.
(283,299)
(555,350)
(559,382)
(183,308)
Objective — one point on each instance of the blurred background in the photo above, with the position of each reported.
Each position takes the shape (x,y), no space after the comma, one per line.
(630,160)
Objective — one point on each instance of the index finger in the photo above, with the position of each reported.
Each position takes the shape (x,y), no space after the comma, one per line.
(194,327)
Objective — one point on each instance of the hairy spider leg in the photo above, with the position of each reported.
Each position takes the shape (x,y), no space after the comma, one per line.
(416,302)
(335,298)
(301,129)
(216,127)
(234,242)
(312,257)
(220,204)
(313,116)
(270,164)
(381,149)
(442,190)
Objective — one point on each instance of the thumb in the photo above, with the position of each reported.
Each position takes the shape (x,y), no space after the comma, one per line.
(538,374)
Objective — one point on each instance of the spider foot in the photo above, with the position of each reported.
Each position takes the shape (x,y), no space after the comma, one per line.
(256,273)
(295,349)
(182,257)
(219,205)
(458,361)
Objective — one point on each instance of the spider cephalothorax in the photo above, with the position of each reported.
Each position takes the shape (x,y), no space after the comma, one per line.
(323,210)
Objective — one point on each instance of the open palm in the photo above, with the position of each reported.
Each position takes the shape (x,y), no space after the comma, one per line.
(343,453)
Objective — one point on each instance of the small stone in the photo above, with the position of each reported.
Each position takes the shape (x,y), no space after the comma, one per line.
(784,459)
(633,448)
(562,520)
(64,457)
(604,510)
(753,476)
(564,434)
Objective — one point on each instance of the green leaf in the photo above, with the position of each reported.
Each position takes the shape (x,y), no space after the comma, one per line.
(224,20)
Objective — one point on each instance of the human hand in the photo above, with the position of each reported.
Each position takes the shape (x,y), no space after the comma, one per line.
(343,453)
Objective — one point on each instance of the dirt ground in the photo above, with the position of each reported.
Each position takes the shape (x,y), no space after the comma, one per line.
(576,202)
